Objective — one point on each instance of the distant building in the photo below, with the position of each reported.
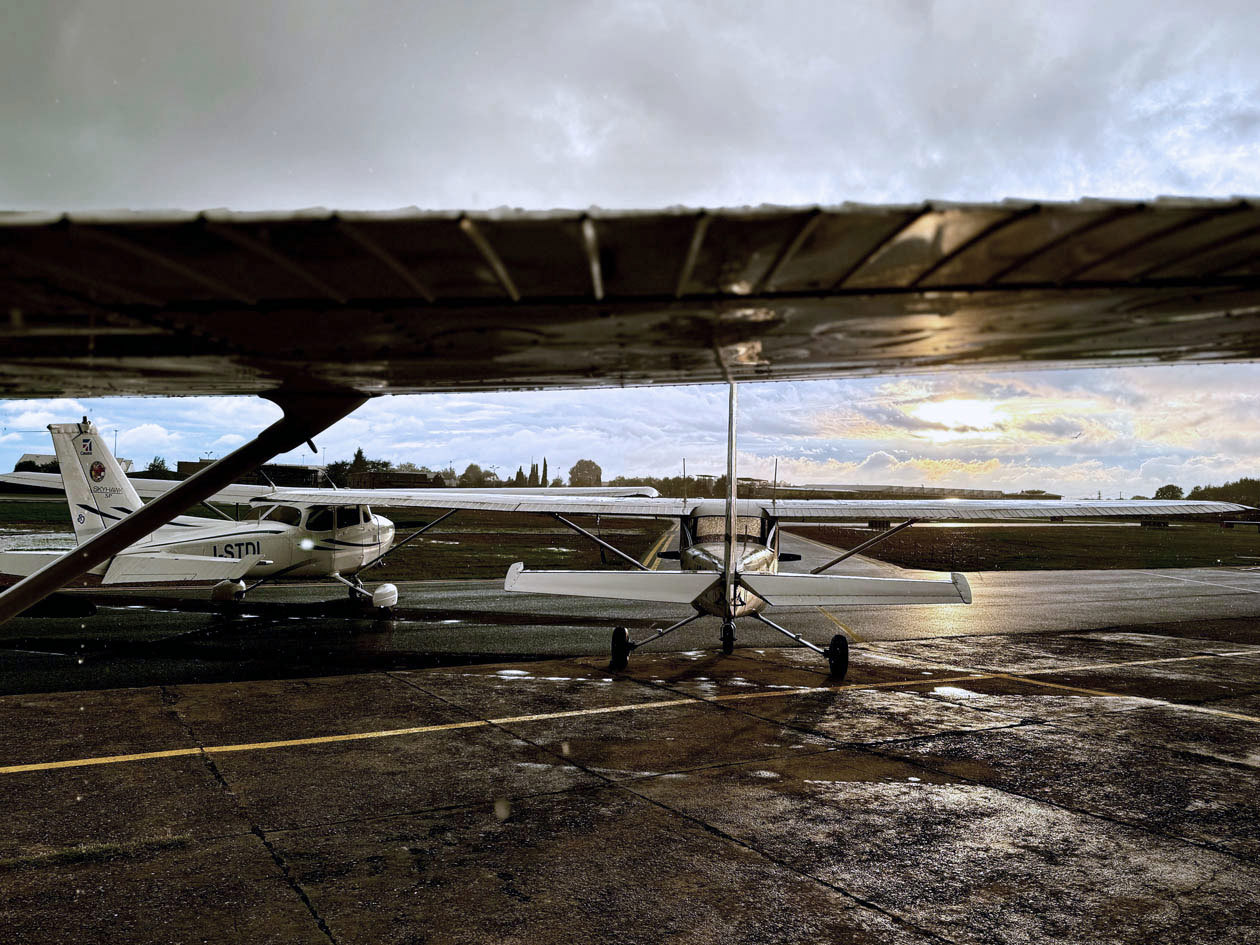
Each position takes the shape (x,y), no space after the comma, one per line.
(280,474)
(394,479)
(875,491)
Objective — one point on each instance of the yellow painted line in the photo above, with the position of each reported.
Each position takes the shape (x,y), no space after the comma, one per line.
(450,726)
(851,633)
(656,549)
(1206,710)
(1164,659)
(630,707)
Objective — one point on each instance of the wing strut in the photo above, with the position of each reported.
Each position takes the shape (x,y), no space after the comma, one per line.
(862,547)
(304,416)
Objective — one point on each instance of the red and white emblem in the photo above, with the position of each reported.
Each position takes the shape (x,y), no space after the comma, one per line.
(97,471)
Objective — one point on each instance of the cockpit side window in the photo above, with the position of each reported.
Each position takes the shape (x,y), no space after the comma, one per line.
(256,513)
(320,520)
(347,516)
(284,514)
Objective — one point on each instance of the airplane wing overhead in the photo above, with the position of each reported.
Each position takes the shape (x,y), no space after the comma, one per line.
(145,488)
(629,506)
(894,510)
(411,301)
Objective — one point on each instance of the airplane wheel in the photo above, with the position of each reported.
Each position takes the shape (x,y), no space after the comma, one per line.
(620,649)
(838,656)
(728,637)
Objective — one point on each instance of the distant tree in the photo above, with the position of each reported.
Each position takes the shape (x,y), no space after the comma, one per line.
(29,465)
(339,472)
(157,465)
(1136,497)
(519,479)
(533,476)
(585,472)
(557,483)
(1169,492)
(542,480)
(406,467)
(360,462)
(473,477)
(1245,491)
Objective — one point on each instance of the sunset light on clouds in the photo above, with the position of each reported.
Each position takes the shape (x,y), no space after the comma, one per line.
(1116,431)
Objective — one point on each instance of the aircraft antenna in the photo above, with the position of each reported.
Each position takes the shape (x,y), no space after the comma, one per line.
(265,476)
(329,478)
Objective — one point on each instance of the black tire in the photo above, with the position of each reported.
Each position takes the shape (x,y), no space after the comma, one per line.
(728,637)
(838,656)
(620,649)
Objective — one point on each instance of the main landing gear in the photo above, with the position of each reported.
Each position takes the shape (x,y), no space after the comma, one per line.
(836,653)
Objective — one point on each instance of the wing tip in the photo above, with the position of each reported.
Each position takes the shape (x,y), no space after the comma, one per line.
(513,573)
(963,586)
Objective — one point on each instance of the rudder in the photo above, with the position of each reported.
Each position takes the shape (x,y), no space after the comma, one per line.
(97,490)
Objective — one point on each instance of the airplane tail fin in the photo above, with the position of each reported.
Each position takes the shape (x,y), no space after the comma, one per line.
(97,490)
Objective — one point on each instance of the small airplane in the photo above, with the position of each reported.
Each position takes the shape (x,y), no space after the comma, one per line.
(729,554)
(332,538)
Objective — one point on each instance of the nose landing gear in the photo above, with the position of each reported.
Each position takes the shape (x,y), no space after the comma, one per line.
(728,637)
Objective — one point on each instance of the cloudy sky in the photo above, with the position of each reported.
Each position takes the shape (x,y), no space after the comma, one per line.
(257,105)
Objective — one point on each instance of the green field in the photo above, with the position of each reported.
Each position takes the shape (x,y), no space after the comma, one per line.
(467,545)
(486,544)
(1053,547)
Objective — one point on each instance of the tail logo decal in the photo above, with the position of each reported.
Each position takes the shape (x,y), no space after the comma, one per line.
(97,470)
(86,448)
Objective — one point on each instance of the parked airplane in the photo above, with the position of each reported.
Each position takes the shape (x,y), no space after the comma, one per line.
(332,538)
(729,550)
(318,310)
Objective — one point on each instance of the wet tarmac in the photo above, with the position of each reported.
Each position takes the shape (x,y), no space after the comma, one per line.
(1090,776)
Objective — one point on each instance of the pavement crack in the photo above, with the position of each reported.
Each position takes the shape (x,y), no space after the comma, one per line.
(169,699)
(625,786)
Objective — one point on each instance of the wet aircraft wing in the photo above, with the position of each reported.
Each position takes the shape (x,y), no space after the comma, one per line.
(861,510)
(145,488)
(411,301)
(487,501)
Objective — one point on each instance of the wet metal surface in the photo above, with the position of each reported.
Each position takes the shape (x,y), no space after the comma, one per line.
(413,301)
(1066,786)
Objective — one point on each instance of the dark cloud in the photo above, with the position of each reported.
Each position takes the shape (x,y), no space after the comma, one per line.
(306,102)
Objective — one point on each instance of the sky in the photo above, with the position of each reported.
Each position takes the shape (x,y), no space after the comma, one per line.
(375,105)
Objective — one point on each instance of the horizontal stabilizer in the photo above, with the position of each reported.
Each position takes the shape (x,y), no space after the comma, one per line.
(25,563)
(671,587)
(836,589)
(146,568)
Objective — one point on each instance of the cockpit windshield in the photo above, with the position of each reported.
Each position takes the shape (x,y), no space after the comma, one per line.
(713,528)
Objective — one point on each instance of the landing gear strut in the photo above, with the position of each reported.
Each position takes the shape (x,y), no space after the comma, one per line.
(728,637)
(622,644)
(836,654)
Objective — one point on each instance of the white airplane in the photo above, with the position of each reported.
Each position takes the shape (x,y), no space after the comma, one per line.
(729,550)
(333,538)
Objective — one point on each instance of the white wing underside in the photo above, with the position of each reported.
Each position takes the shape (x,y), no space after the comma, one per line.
(797,510)
(667,587)
(785,590)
